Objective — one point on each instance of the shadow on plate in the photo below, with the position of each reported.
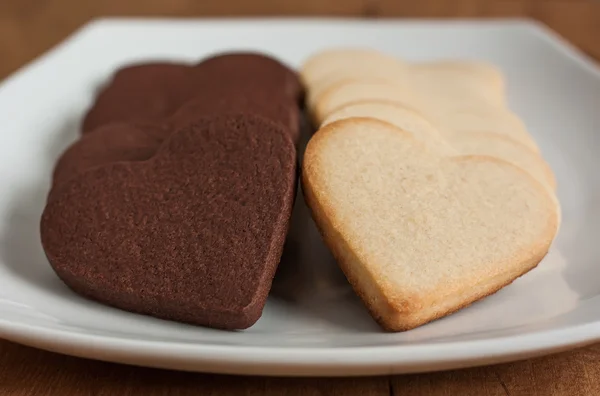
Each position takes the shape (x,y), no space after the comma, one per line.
(308,276)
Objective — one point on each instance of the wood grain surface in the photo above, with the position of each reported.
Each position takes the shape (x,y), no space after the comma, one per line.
(29,27)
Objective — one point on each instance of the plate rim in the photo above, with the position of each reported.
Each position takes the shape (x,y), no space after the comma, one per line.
(299,361)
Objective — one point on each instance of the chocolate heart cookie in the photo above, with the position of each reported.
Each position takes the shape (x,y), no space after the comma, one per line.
(284,111)
(250,72)
(141,92)
(193,234)
(114,142)
(154,91)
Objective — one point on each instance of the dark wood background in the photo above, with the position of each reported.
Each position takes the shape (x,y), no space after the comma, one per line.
(29,27)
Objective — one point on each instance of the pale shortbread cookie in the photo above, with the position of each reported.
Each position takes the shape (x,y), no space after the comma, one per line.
(325,64)
(499,146)
(483,71)
(377,70)
(350,91)
(417,234)
(365,75)
(450,142)
(485,119)
(445,96)
(474,77)
(463,114)
(404,117)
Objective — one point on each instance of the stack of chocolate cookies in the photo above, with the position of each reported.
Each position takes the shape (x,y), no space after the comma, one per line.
(176,200)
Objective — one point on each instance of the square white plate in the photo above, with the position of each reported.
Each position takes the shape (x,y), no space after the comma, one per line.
(325,330)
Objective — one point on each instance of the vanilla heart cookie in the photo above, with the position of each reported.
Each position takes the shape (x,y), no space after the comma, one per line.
(449,79)
(485,119)
(327,68)
(323,66)
(193,234)
(480,72)
(404,117)
(500,146)
(420,235)
(347,92)
(451,142)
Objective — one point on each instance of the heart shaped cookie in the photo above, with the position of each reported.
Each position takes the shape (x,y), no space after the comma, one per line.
(141,92)
(152,92)
(450,79)
(283,111)
(404,117)
(249,71)
(348,92)
(420,235)
(449,142)
(193,234)
(112,143)
(325,66)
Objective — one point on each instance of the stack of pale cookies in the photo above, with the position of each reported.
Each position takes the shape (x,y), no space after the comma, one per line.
(429,191)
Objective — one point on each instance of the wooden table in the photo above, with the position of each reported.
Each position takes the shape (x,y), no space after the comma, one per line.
(29,27)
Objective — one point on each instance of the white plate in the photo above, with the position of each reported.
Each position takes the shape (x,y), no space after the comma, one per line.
(325,331)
